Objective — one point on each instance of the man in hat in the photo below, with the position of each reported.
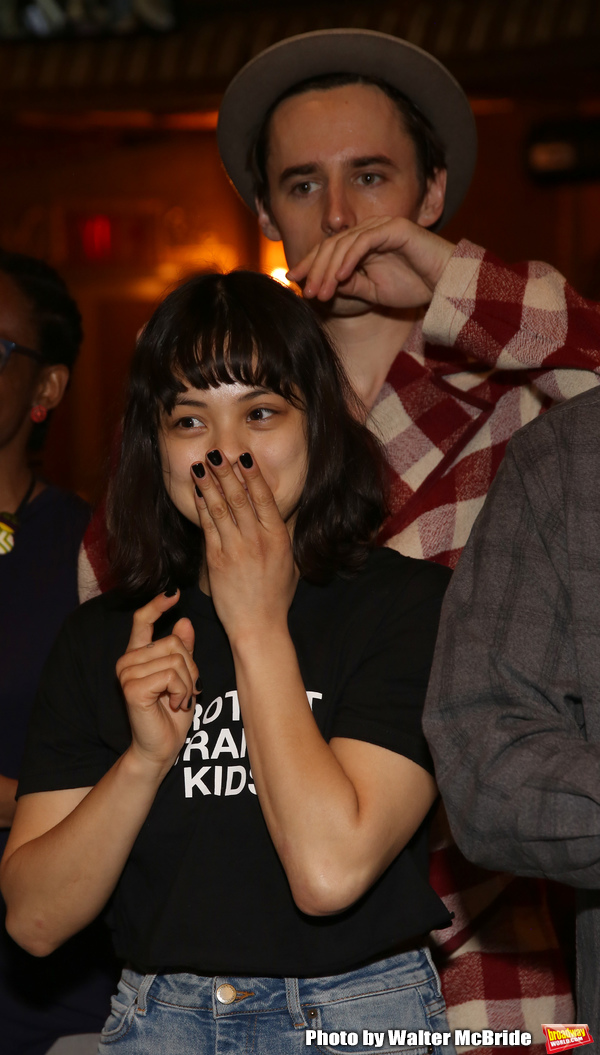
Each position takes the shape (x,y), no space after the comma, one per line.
(354,148)
(353,170)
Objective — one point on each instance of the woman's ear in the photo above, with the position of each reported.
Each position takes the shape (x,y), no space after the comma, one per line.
(266,221)
(432,206)
(51,385)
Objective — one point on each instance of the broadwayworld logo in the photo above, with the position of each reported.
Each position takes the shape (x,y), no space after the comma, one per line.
(560,1037)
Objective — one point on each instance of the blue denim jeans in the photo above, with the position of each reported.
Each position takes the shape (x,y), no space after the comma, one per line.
(359,1011)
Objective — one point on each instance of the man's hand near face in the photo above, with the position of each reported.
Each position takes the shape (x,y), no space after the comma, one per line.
(386,261)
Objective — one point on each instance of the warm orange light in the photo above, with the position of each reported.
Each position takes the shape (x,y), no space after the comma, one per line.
(279,274)
(198,121)
(272,256)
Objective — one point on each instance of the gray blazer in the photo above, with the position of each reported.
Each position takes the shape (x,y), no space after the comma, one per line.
(513,710)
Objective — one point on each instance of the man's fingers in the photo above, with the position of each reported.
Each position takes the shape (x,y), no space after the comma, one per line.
(301,269)
(356,249)
(319,267)
(144,619)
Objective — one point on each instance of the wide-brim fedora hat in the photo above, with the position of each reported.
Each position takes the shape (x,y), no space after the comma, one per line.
(420,76)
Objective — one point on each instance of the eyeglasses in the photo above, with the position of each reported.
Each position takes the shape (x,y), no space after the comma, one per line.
(8,347)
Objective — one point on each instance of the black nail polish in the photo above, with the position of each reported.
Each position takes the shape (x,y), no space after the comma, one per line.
(189,704)
(246,461)
(171,591)
(199,470)
(198,491)
(198,686)
(214,457)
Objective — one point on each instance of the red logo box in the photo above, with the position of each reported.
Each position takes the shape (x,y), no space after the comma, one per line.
(561,1037)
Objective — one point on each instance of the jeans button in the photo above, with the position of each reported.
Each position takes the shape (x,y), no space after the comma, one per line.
(226,993)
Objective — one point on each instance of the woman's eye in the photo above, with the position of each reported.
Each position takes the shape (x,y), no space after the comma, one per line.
(188,423)
(260,414)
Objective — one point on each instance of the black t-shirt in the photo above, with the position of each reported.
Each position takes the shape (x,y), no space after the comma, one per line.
(203,888)
(69,991)
(38,588)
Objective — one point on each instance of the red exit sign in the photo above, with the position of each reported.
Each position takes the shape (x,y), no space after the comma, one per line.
(111,237)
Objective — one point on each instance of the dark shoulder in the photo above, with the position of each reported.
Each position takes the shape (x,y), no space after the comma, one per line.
(388,581)
(101,625)
(62,508)
(386,570)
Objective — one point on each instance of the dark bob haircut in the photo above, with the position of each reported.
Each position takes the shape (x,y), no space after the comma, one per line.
(242,327)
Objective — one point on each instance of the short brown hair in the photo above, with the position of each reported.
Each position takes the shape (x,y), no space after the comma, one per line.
(429,149)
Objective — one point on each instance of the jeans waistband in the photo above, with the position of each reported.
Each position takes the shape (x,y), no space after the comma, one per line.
(234,995)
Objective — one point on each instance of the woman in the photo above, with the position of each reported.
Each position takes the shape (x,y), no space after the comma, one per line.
(253,904)
(41,527)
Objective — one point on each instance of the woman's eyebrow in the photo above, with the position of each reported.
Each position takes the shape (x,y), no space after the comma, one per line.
(184,401)
(260,390)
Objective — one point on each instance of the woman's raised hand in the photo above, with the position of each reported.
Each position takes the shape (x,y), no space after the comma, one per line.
(249,555)
(158,679)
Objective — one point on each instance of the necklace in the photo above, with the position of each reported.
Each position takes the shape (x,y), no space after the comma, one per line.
(9,522)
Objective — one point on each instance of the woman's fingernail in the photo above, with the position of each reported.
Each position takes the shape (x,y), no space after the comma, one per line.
(246,461)
(198,685)
(199,470)
(170,592)
(189,704)
(214,457)
(197,490)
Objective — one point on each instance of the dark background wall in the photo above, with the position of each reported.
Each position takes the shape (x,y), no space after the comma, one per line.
(109,167)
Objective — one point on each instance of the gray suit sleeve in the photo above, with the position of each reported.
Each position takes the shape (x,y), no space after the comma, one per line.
(505,713)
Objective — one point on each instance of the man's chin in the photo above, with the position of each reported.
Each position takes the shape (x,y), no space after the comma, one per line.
(341,307)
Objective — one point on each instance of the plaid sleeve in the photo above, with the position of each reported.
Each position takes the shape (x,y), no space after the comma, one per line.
(519,317)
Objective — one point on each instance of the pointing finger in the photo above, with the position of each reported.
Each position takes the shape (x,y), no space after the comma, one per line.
(144,618)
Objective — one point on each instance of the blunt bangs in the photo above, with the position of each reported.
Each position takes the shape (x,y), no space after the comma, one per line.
(214,331)
(242,327)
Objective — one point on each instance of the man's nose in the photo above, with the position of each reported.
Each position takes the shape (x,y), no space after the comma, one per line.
(338,213)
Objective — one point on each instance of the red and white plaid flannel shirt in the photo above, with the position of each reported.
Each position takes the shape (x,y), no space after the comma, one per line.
(498,344)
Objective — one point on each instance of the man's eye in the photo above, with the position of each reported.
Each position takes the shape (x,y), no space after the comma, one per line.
(304,188)
(369,179)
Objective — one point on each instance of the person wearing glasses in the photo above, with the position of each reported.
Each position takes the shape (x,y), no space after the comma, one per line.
(41,527)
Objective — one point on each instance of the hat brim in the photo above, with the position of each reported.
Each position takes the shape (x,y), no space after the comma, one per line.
(406,67)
